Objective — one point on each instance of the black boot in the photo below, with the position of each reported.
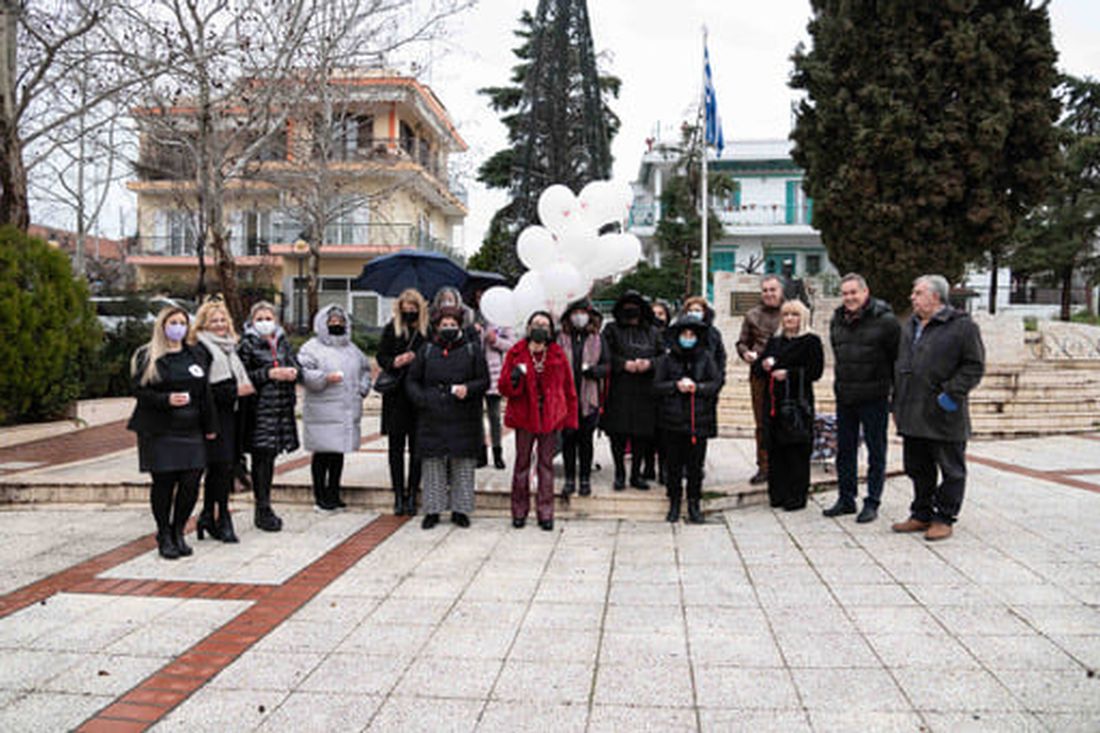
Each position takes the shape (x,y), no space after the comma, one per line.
(695,515)
(226,533)
(206,523)
(586,487)
(483,457)
(637,481)
(398,500)
(184,548)
(568,487)
(498,457)
(166,544)
(410,503)
(264,518)
(673,507)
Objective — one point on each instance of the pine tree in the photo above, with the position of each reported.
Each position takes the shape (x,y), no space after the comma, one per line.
(559,124)
(927,131)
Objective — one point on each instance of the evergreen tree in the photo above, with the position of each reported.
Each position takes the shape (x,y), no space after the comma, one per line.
(559,124)
(1060,236)
(926,133)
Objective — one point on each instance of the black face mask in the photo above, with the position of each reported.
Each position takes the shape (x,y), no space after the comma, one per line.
(631,312)
(410,318)
(539,335)
(448,334)
(336,330)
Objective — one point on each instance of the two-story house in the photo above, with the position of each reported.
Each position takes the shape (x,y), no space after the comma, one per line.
(388,147)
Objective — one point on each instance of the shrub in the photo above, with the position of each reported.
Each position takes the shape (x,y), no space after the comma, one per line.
(50,329)
(109,375)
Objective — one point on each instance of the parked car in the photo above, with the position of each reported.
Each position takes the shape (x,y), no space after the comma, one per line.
(114,310)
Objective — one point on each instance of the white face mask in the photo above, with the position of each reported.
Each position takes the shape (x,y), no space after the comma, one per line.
(579,320)
(264,328)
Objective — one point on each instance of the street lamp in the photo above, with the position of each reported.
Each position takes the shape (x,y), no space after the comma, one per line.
(301,251)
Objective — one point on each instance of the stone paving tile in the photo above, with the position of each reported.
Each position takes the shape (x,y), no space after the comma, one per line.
(318,712)
(615,718)
(724,720)
(1018,652)
(851,691)
(834,651)
(532,715)
(744,688)
(104,674)
(41,711)
(924,651)
(535,644)
(552,683)
(955,690)
(426,715)
(355,674)
(824,721)
(438,677)
(641,648)
(261,670)
(666,681)
(217,709)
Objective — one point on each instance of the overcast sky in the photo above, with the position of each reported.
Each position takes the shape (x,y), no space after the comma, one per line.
(655,47)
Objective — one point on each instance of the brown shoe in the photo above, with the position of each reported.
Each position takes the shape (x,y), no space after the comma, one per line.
(938,531)
(910,525)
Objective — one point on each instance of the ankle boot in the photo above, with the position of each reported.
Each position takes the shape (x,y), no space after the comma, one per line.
(673,508)
(184,548)
(410,502)
(620,477)
(225,527)
(166,544)
(398,501)
(206,523)
(498,457)
(263,517)
(695,515)
(483,457)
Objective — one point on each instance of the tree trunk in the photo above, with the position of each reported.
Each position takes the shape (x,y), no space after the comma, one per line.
(995,261)
(14,208)
(313,282)
(1067,293)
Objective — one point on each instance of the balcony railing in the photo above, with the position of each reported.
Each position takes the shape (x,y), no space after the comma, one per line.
(336,235)
(382,149)
(766,214)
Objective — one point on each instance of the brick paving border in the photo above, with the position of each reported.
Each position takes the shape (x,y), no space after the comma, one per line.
(1058,477)
(78,445)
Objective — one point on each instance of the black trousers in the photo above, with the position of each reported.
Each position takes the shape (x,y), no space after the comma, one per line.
(576,447)
(217,484)
(639,444)
(934,499)
(789,474)
(683,458)
(173,496)
(263,473)
(397,462)
(326,469)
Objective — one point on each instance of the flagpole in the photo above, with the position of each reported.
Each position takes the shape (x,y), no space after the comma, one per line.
(706,207)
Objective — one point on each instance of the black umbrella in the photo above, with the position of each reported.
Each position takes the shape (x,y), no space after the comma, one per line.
(481,280)
(426,271)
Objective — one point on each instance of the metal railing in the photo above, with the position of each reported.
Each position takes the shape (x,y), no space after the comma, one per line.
(336,235)
(764,214)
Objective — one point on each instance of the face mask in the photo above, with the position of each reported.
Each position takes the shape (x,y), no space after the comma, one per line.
(540,335)
(335,330)
(448,334)
(688,342)
(631,313)
(695,315)
(264,328)
(175,331)
(579,320)
(410,318)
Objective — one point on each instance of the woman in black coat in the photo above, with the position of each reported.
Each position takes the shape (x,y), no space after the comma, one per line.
(270,427)
(213,333)
(686,385)
(631,343)
(401,338)
(174,413)
(792,361)
(446,382)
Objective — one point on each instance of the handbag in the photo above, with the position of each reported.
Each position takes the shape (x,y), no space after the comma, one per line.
(387,382)
(792,416)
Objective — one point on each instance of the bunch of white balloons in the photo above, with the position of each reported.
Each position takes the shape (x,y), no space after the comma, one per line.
(566,253)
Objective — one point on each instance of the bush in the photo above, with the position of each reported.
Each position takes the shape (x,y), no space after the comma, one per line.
(1083,316)
(50,329)
(109,375)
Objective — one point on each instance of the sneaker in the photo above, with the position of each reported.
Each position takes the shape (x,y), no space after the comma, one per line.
(839,508)
(911,525)
(867,514)
(938,531)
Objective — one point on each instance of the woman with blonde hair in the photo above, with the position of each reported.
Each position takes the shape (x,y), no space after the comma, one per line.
(174,413)
(213,333)
(401,339)
(791,362)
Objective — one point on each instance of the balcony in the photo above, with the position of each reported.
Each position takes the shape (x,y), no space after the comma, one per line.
(765,214)
(383,150)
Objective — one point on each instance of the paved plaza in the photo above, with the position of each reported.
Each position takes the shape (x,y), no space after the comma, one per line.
(757,620)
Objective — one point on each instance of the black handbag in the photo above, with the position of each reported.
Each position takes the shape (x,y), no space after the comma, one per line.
(387,382)
(792,415)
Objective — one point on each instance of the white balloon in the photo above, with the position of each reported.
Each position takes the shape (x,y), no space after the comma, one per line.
(604,257)
(629,250)
(578,249)
(498,306)
(536,247)
(558,208)
(601,203)
(529,295)
(561,279)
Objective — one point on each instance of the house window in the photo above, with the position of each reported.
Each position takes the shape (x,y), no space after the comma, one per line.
(408,139)
(813,264)
(181,233)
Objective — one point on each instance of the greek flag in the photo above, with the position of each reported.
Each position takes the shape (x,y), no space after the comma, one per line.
(710,106)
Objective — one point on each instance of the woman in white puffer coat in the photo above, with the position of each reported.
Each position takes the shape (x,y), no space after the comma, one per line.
(336,375)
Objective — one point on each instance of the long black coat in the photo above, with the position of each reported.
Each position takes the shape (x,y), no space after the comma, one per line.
(865,348)
(153,415)
(674,411)
(802,357)
(398,411)
(949,357)
(629,409)
(445,425)
(269,423)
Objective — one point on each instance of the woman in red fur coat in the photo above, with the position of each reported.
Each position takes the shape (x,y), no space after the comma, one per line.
(542,400)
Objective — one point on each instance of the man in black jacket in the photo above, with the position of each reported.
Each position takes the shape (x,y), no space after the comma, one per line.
(940,360)
(864,335)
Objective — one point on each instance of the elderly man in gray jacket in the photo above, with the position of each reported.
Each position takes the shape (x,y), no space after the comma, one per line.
(940,360)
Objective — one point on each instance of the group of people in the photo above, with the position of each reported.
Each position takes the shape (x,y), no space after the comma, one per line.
(648,378)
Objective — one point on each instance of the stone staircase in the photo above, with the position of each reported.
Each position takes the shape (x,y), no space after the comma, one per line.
(1034,398)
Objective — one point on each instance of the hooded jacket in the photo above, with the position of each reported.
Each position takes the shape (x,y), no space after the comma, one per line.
(865,347)
(582,348)
(268,415)
(676,412)
(949,357)
(629,406)
(715,346)
(332,412)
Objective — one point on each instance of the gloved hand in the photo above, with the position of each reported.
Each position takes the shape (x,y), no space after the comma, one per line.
(948,404)
(517,376)
(588,372)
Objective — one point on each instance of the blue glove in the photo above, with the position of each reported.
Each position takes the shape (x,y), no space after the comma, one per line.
(948,404)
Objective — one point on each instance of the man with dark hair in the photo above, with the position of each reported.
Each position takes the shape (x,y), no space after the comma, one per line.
(760,324)
(864,336)
(940,360)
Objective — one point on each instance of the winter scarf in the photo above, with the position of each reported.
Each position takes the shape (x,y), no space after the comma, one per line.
(224,360)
